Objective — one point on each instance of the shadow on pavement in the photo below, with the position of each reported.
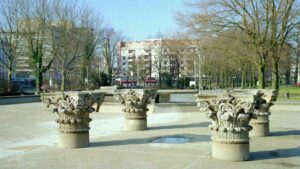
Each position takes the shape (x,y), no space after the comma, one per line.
(285,133)
(193,125)
(193,138)
(277,153)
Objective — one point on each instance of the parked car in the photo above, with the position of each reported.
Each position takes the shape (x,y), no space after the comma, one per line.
(25,85)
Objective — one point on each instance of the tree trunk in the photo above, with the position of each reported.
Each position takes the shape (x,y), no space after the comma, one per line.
(9,77)
(83,74)
(252,77)
(244,78)
(217,81)
(261,76)
(62,85)
(159,79)
(227,82)
(209,80)
(275,73)
(296,65)
(223,80)
(38,82)
(110,77)
(38,73)
(287,77)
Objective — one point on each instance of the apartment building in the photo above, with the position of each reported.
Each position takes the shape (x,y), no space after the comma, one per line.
(152,57)
(24,67)
(136,58)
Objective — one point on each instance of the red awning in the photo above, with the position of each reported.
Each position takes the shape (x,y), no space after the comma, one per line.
(151,81)
(128,81)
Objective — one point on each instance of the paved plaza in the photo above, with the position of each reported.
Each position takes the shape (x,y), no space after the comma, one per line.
(178,137)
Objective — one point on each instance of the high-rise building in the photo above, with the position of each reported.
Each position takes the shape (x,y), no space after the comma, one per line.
(151,58)
(136,58)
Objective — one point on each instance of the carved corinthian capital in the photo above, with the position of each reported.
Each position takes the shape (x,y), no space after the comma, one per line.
(135,101)
(73,109)
(264,101)
(207,99)
(231,114)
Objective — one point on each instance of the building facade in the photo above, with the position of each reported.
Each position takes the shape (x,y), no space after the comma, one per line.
(149,59)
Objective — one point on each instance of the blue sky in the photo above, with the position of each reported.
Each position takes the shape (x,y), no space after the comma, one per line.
(138,19)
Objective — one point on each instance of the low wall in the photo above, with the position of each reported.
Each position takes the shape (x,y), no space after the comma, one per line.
(4,100)
(176,96)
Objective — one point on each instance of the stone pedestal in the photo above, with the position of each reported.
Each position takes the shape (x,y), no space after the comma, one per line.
(73,109)
(135,102)
(260,126)
(262,110)
(73,140)
(135,122)
(230,146)
(230,128)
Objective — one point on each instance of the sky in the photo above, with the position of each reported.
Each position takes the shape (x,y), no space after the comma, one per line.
(138,19)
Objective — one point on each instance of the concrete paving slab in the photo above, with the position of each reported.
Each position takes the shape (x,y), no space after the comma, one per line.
(28,139)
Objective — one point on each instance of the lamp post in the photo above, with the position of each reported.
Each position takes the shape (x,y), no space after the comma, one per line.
(37,90)
(200,72)
(200,60)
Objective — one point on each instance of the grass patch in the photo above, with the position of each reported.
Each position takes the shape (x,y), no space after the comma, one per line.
(292,90)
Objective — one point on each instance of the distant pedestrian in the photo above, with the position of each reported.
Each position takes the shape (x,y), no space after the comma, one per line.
(45,87)
(287,95)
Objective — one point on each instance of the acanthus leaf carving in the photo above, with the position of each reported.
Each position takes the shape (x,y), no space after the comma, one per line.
(229,113)
(73,109)
(135,101)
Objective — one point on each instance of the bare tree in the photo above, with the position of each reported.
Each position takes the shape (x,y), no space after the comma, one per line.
(90,39)
(109,51)
(267,23)
(296,39)
(160,60)
(36,24)
(175,50)
(283,20)
(10,36)
(66,39)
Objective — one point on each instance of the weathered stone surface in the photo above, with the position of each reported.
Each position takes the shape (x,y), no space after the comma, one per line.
(264,100)
(73,109)
(205,98)
(231,114)
(230,127)
(262,109)
(135,102)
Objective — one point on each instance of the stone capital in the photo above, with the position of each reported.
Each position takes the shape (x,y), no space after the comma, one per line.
(135,101)
(264,101)
(231,113)
(73,108)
